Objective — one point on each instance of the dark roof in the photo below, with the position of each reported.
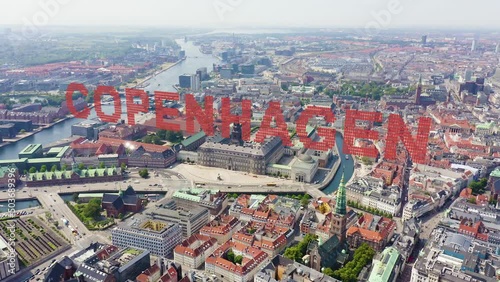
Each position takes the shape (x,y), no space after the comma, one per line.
(129,191)
(91,274)
(118,203)
(55,273)
(330,251)
(130,199)
(109,198)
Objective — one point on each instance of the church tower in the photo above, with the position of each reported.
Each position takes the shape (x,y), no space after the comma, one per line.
(236,135)
(418,92)
(339,219)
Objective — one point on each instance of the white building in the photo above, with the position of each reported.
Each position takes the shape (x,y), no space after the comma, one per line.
(416,208)
(370,192)
(304,168)
(385,200)
(158,237)
(300,169)
(9,263)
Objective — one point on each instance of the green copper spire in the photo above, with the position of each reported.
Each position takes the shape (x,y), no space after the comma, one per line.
(340,205)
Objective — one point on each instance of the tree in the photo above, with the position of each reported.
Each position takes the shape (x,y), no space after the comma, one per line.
(53,168)
(304,202)
(366,160)
(22,131)
(123,166)
(91,167)
(56,224)
(293,253)
(478,187)
(144,173)
(155,140)
(328,271)
(362,257)
(174,136)
(147,139)
(43,168)
(298,251)
(75,197)
(81,166)
(101,165)
(64,167)
(120,216)
(48,216)
(238,259)
(32,169)
(162,134)
(230,255)
(92,209)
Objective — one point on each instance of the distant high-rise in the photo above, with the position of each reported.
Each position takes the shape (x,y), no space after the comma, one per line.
(189,81)
(202,73)
(473,46)
(468,75)
(497,49)
(181,54)
(424,39)
(185,81)
(195,82)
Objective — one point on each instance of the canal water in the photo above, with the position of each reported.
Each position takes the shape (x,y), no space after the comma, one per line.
(162,82)
(346,167)
(152,195)
(166,80)
(20,205)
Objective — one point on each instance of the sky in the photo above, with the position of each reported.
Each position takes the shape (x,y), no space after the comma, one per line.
(254,13)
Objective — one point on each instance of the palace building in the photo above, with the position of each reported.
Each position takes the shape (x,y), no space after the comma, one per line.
(235,154)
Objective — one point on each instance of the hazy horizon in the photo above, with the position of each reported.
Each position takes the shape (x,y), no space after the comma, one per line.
(230,14)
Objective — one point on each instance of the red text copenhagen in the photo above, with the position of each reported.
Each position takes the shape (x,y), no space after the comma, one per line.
(397,129)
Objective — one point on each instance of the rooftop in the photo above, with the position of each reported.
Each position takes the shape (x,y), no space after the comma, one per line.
(383,268)
(30,149)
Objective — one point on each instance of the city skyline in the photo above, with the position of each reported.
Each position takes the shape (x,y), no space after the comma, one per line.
(392,14)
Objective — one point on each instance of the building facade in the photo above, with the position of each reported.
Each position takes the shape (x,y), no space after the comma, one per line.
(158,237)
(234,155)
(190,221)
(193,251)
